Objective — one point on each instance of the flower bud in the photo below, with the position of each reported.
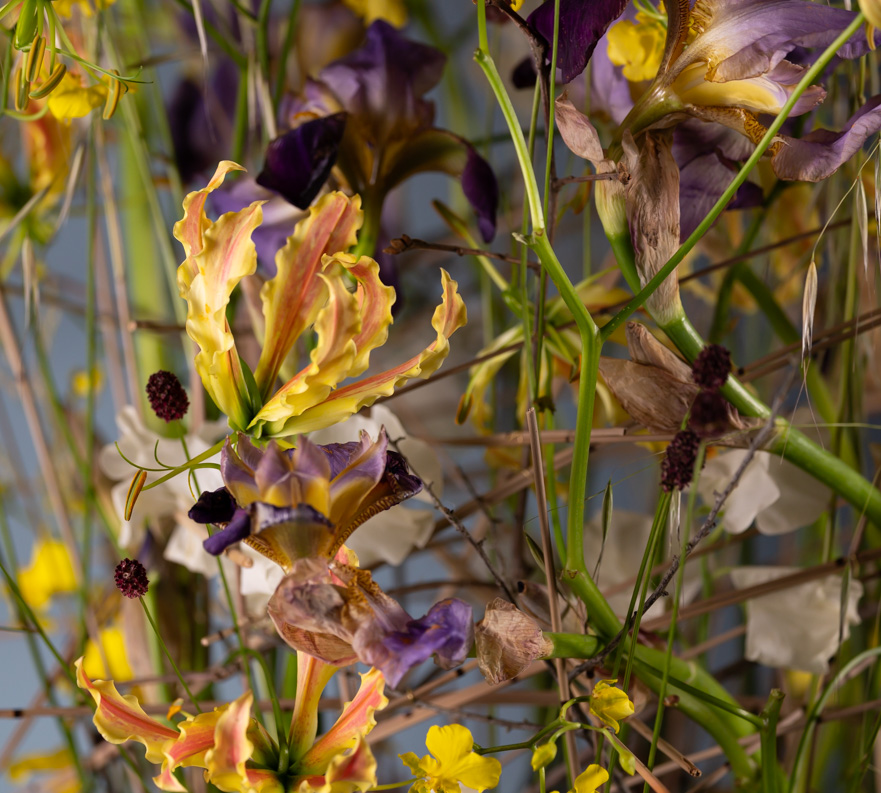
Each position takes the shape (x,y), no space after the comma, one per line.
(543,756)
(507,642)
(167,396)
(130,578)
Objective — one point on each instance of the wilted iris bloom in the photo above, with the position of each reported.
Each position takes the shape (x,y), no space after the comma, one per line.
(304,502)
(724,61)
(366,114)
(236,751)
(334,611)
(309,290)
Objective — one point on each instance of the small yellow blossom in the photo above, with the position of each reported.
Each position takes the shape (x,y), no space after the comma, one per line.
(543,755)
(49,573)
(453,762)
(610,704)
(112,642)
(591,779)
(87,7)
(392,11)
(638,47)
(72,99)
(64,777)
(81,383)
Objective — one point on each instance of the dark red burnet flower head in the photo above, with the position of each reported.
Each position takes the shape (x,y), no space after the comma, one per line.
(130,577)
(712,367)
(167,396)
(677,467)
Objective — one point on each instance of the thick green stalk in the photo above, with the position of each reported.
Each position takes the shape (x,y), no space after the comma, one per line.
(788,442)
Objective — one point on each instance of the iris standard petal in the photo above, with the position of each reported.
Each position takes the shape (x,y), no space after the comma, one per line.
(299,161)
(581,26)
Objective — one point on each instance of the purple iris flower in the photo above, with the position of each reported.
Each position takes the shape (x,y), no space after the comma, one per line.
(379,90)
(304,502)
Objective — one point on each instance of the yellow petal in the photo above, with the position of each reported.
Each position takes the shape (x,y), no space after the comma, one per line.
(219,254)
(112,642)
(337,324)
(591,779)
(293,298)
(120,718)
(71,99)
(49,573)
(342,403)
(392,11)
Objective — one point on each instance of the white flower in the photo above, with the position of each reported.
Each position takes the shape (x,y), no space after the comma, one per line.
(392,534)
(622,555)
(172,499)
(772,492)
(796,628)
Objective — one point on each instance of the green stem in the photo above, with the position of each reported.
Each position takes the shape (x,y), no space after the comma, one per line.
(573,645)
(162,644)
(793,445)
(769,716)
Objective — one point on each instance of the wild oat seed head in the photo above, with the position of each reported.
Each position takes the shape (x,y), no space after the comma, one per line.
(130,577)
(678,464)
(167,396)
(711,368)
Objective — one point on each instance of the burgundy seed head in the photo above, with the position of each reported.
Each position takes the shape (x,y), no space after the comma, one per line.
(709,414)
(710,369)
(678,464)
(130,577)
(167,396)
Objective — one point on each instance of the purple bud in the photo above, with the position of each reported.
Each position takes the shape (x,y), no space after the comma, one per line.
(167,396)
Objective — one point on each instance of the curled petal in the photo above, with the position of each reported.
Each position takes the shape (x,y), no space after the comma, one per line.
(219,255)
(582,25)
(337,324)
(294,297)
(235,531)
(447,632)
(120,718)
(232,748)
(196,738)
(355,722)
(313,675)
(213,506)
(342,403)
(299,162)
(819,154)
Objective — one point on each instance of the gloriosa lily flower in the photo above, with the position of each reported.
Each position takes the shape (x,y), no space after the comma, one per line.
(308,290)
(236,751)
(453,762)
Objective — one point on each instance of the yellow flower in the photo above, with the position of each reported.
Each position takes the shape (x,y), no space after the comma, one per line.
(610,704)
(638,47)
(50,573)
(81,382)
(591,779)
(453,762)
(392,11)
(57,770)
(112,642)
(71,99)
(65,7)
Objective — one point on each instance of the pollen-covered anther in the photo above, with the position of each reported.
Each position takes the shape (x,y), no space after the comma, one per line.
(130,578)
(167,396)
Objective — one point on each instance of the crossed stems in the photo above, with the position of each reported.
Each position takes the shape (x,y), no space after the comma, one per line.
(719,721)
